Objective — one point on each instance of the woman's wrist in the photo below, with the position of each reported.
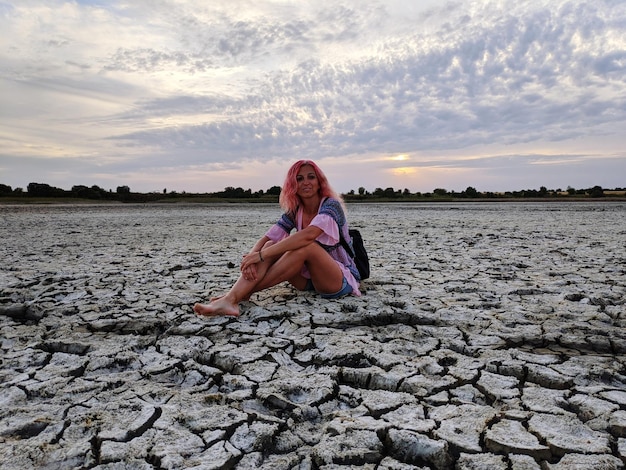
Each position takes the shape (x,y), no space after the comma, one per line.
(261,256)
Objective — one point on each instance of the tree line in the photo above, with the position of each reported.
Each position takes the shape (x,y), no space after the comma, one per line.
(472,193)
(124,194)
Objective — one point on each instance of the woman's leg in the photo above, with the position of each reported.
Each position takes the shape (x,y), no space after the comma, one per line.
(228,304)
(325,273)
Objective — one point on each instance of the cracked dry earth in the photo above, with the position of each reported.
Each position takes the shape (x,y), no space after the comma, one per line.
(490,336)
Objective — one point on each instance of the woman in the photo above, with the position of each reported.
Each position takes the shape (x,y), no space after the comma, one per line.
(310,259)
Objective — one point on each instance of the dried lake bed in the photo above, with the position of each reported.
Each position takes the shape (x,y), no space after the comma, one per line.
(490,335)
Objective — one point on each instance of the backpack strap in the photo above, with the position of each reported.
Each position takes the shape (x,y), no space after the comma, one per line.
(346,245)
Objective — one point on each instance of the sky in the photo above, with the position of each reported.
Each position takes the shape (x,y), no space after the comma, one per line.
(197,96)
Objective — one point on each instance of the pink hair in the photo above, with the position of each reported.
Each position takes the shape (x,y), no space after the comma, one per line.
(289,199)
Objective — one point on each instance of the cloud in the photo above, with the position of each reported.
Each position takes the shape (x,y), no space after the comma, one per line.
(492,78)
(184,84)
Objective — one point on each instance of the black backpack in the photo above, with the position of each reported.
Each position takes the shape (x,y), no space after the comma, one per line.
(359,254)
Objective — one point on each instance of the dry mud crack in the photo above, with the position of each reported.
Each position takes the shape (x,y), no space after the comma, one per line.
(490,336)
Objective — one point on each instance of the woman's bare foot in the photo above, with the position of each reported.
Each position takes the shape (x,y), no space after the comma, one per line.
(213,299)
(217,307)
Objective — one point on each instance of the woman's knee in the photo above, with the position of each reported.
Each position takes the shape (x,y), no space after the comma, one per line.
(306,254)
(298,254)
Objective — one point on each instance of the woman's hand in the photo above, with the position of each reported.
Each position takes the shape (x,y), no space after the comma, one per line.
(248,265)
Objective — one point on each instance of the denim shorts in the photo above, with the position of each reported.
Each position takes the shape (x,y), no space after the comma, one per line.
(345,290)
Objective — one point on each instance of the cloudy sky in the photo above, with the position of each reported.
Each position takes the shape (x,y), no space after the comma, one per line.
(195,95)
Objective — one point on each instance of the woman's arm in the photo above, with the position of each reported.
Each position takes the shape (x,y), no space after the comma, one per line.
(259,244)
(292,242)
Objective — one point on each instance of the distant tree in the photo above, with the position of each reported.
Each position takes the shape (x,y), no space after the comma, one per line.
(361,191)
(543,191)
(35,189)
(529,193)
(406,192)
(122,190)
(5,189)
(596,191)
(44,190)
(571,191)
(98,189)
(231,192)
(390,192)
(470,192)
(274,191)
(84,192)
(440,192)
(379,192)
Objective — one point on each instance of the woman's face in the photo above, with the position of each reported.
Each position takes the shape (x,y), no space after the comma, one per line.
(308,184)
